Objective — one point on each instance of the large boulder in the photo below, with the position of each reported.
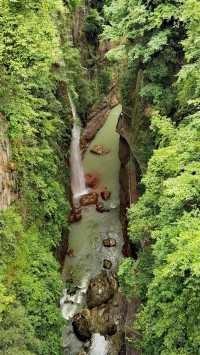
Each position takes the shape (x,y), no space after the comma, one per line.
(95,320)
(101,289)
(89,199)
(81,325)
(101,320)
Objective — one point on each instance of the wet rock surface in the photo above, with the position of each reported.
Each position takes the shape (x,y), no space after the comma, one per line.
(99,149)
(81,326)
(70,252)
(91,180)
(101,289)
(124,180)
(75,215)
(109,242)
(102,321)
(101,208)
(105,194)
(61,249)
(72,291)
(89,199)
(107,264)
(97,320)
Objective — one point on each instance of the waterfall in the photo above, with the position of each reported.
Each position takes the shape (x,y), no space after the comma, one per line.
(99,345)
(77,173)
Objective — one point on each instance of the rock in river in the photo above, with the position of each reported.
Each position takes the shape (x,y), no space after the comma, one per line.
(89,199)
(101,208)
(99,150)
(101,289)
(70,252)
(101,320)
(105,194)
(81,326)
(107,264)
(109,242)
(91,180)
(75,215)
(96,320)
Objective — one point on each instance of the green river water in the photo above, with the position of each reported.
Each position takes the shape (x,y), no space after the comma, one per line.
(86,236)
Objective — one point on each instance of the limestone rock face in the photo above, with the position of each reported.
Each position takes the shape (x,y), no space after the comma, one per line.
(101,289)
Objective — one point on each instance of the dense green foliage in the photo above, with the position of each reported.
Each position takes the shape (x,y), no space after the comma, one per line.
(147,40)
(37,65)
(156,55)
(167,219)
(162,40)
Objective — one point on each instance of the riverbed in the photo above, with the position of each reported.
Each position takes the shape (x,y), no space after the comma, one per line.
(86,237)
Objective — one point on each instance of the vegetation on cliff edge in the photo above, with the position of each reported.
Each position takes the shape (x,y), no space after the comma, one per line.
(162,40)
(37,64)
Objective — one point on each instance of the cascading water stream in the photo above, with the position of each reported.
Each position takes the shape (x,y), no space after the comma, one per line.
(77,173)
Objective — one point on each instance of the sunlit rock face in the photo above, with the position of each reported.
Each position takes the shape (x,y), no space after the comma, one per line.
(7,169)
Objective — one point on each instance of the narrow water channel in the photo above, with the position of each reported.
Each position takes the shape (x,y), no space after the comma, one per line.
(86,237)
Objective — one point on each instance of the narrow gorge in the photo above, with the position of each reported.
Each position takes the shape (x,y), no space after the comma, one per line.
(99,177)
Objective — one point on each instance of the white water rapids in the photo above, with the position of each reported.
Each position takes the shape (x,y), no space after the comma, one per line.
(99,345)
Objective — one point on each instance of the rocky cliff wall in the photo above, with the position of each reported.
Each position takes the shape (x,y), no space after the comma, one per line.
(134,151)
(7,169)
